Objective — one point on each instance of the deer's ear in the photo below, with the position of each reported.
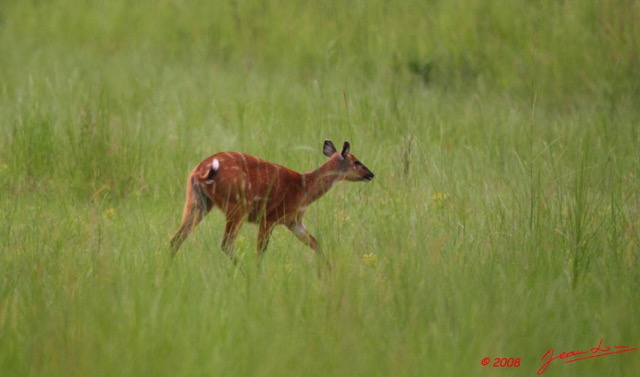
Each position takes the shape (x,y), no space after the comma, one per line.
(345,149)
(328,149)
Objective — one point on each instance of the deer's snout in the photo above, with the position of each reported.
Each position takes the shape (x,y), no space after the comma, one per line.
(368,176)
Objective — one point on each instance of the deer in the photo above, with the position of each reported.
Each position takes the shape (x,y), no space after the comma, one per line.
(247,188)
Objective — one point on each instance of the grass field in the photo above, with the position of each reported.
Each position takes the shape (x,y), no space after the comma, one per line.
(504,219)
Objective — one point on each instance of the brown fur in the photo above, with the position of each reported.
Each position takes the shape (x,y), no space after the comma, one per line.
(248,188)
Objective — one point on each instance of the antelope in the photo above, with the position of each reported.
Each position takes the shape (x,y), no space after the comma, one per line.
(245,187)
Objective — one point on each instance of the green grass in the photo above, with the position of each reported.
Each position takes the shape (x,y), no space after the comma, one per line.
(503,220)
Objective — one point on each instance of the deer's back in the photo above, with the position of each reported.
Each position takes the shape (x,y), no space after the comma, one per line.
(252,185)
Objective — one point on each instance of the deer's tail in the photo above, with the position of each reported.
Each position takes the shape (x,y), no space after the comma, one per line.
(197,203)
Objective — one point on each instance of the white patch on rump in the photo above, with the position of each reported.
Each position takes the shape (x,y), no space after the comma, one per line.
(214,166)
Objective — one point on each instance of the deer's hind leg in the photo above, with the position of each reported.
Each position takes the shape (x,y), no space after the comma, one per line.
(196,206)
(264,234)
(235,219)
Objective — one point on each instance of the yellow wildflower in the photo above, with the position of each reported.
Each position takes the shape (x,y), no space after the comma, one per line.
(439,197)
(370,259)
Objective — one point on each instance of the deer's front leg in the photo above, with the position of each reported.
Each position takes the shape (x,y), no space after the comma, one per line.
(303,235)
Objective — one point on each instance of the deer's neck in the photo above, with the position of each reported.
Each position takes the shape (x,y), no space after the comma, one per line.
(318,182)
